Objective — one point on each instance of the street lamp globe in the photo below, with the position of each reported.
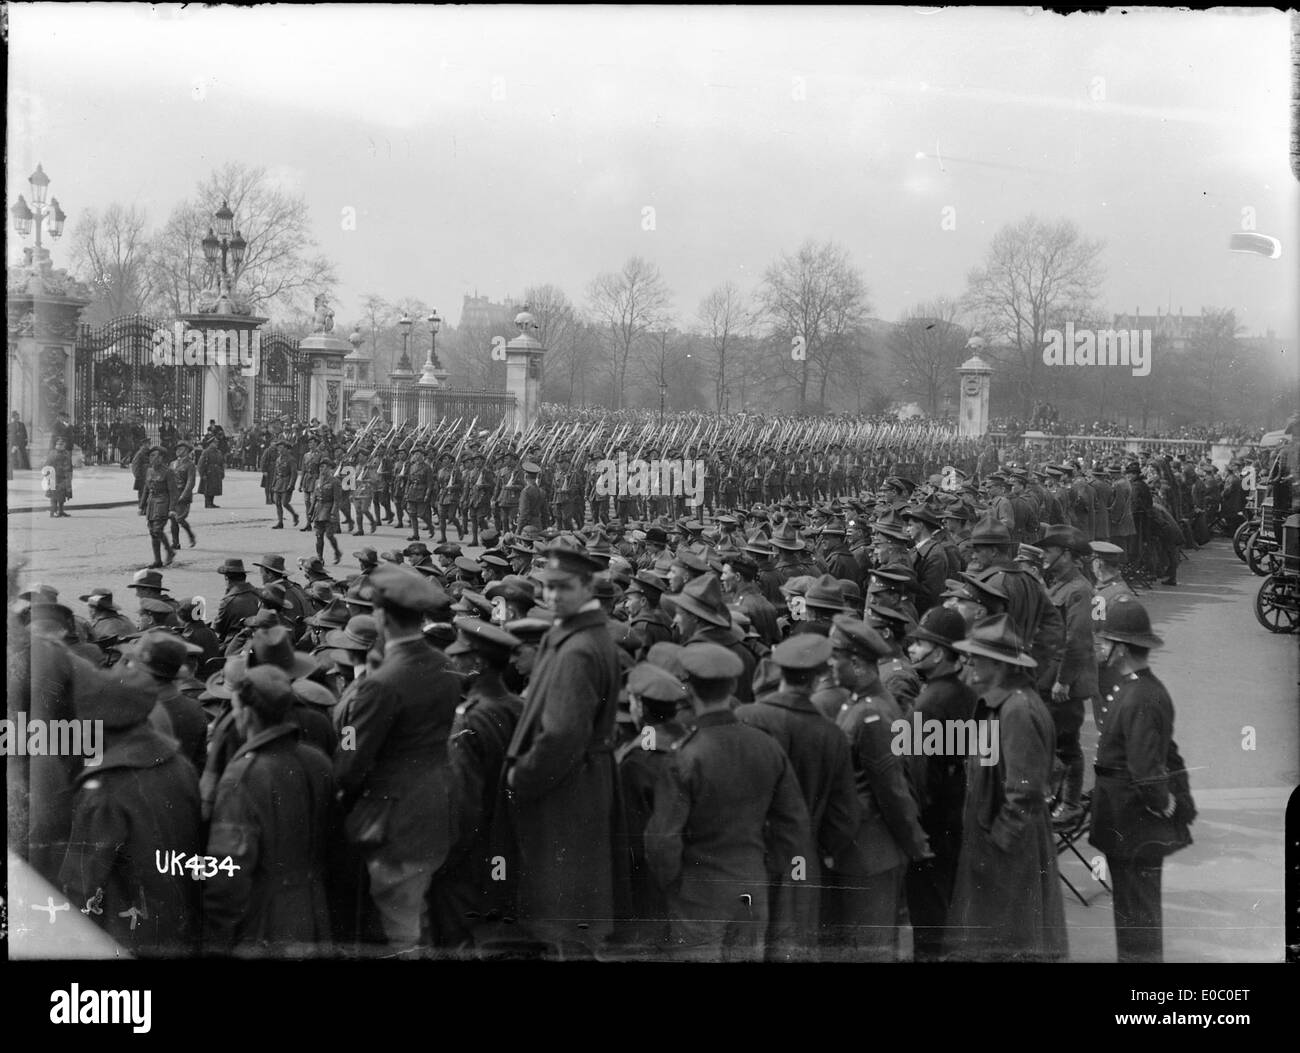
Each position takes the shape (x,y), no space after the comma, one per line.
(40,183)
(238,246)
(225,221)
(211,246)
(58,218)
(435,323)
(23,216)
(405,322)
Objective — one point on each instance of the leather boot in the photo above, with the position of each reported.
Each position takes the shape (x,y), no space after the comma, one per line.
(1069,809)
(157,553)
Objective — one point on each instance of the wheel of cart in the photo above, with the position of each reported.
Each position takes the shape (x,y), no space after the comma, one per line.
(1262,555)
(1277,604)
(1241,538)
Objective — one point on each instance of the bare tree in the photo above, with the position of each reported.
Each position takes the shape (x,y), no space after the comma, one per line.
(724,315)
(627,304)
(110,251)
(279,269)
(817,297)
(554,314)
(377,315)
(1035,277)
(926,347)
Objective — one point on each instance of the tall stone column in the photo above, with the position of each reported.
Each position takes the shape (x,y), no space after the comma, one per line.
(326,351)
(976,377)
(43,308)
(231,362)
(524,372)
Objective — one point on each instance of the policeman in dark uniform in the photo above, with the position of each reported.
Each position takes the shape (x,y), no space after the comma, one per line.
(1141,806)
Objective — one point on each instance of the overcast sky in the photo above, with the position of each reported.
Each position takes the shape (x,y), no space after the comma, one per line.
(488,149)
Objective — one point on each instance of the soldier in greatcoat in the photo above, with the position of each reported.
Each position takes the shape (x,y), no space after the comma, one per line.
(1007,902)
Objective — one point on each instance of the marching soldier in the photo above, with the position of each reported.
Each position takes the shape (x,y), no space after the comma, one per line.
(326,501)
(186,474)
(480,485)
(364,483)
(451,482)
(418,480)
(310,474)
(160,502)
(283,481)
(509,484)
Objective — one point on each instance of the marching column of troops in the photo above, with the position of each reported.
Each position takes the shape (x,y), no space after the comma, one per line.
(659,730)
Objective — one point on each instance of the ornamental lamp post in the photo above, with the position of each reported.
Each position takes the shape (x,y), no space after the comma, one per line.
(25,215)
(224,242)
(433,374)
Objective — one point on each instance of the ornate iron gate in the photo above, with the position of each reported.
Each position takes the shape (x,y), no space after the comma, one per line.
(118,380)
(281,388)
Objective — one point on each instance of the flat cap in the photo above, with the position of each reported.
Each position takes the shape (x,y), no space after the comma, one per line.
(476,635)
(654,683)
(802,651)
(528,630)
(1104,550)
(710,661)
(396,586)
(853,634)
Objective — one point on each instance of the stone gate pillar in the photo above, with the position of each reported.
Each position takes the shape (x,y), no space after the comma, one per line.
(325,350)
(976,377)
(43,308)
(524,372)
(231,362)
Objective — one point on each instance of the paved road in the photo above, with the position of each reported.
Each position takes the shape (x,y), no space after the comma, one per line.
(1225,672)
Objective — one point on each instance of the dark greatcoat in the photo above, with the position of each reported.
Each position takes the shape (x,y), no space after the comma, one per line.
(143,799)
(480,733)
(1133,776)
(560,771)
(39,682)
(728,822)
(641,762)
(272,817)
(1007,900)
(212,470)
(239,602)
(396,782)
(819,754)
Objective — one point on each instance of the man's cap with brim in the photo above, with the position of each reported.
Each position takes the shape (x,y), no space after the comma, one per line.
(710,661)
(406,589)
(1107,552)
(853,634)
(473,635)
(802,651)
(655,684)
